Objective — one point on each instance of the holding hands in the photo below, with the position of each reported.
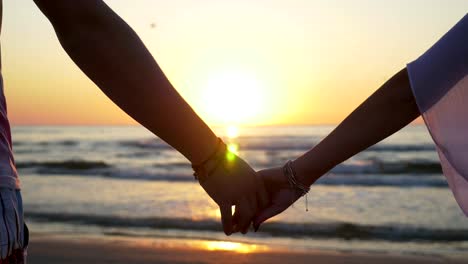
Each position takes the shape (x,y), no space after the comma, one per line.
(154,103)
(282,193)
(257,196)
(230,181)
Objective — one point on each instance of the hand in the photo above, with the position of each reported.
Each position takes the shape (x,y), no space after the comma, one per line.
(280,193)
(234,182)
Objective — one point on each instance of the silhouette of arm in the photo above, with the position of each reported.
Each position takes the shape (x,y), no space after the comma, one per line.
(111,54)
(385,112)
(389,109)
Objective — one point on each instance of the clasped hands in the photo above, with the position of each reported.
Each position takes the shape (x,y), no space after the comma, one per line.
(255,196)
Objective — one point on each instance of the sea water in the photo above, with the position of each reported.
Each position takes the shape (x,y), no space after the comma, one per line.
(124,181)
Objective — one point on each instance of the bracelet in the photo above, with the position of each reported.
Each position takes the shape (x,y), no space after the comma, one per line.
(290,174)
(200,171)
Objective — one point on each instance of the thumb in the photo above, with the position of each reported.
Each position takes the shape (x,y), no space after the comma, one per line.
(266,214)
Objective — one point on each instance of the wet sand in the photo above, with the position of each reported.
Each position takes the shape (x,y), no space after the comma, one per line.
(47,249)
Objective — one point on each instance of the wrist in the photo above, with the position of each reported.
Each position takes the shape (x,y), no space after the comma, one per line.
(205,149)
(306,174)
(204,169)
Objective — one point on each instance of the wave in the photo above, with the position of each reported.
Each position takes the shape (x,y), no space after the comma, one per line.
(382,167)
(402,181)
(155,144)
(359,168)
(402,148)
(67,165)
(278,144)
(369,173)
(66,143)
(348,231)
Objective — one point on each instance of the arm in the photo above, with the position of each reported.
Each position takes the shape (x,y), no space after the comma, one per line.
(385,112)
(110,53)
(388,110)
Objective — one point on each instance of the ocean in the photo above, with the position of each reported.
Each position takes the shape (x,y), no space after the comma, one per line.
(123,181)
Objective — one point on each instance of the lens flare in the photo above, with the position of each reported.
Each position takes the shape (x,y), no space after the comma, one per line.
(234,148)
(232,151)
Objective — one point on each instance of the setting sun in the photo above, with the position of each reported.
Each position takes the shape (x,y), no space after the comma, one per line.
(187,131)
(232,97)
(232,131)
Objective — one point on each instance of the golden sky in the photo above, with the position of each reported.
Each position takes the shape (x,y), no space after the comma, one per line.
(243,62)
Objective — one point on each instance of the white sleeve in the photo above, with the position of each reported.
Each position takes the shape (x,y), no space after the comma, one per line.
(439,80)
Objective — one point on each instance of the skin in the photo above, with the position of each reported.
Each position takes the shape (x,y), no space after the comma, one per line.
(385,112)
(111,54)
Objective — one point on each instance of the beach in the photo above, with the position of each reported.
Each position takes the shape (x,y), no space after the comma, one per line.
(47,249)
(108,184)
(110,133)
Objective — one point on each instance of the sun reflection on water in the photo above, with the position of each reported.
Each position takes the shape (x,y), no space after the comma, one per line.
(232,246)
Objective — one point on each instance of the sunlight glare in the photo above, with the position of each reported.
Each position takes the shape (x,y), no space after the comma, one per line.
(232,131)
(232,246)
(232,98)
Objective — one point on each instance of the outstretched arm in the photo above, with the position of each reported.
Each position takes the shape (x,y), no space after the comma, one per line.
(111,54)
(389,109)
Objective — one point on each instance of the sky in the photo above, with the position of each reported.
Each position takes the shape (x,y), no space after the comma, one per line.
(243,62)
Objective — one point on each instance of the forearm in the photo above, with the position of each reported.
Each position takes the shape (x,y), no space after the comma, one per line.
(389,109)
(110,53)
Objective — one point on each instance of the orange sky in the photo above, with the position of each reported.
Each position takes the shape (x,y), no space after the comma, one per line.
(271,62)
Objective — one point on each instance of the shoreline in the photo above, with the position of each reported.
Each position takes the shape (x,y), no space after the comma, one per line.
(51,249)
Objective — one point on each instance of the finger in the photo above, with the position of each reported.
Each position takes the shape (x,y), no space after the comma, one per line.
(253,208)
(266,214)
(235,221)
(226,218)
(245,214)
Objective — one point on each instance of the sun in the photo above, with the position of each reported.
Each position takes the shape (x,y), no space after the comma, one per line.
(232,98)
(232,132)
